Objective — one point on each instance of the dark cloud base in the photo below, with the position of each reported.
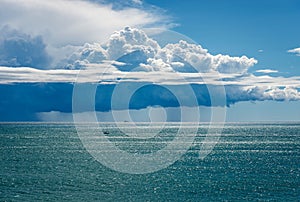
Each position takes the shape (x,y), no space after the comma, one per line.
(22,101)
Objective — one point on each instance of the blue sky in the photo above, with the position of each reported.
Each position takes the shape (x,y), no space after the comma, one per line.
(242,28)
(253,47)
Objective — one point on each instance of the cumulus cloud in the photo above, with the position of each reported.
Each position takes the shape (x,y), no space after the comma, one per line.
(19,49)
(261,93)
(202,60)
(60,26)
(89,53)
(227,64)
(130,40)
(139,52)
(295,51)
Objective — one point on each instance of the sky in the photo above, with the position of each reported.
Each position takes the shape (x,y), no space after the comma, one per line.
(149,60)
(264,30)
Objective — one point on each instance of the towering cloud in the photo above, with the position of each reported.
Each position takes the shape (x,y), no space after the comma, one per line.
(141,53)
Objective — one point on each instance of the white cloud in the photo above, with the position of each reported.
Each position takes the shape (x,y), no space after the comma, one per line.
(63,22)
(32,75)
(227,64)
(273,93)
(129,40)
(155,65)
(133,45)
(107,73)
(266,71)
(202,60)
(295,50)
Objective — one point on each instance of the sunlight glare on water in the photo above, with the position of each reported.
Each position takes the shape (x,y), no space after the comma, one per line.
(250,162)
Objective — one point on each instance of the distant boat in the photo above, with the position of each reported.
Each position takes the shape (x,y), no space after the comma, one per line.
(105,132)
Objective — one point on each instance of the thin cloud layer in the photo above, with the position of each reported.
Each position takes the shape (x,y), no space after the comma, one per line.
(266,71)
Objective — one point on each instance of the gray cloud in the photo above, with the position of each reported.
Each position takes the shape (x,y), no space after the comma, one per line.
(18,49)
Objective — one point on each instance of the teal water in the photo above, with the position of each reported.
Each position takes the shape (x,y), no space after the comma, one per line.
(251,162)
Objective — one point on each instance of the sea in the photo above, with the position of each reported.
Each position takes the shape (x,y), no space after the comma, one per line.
(248,162)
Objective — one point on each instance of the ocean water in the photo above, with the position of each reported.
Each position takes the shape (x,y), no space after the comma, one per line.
(250,162)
